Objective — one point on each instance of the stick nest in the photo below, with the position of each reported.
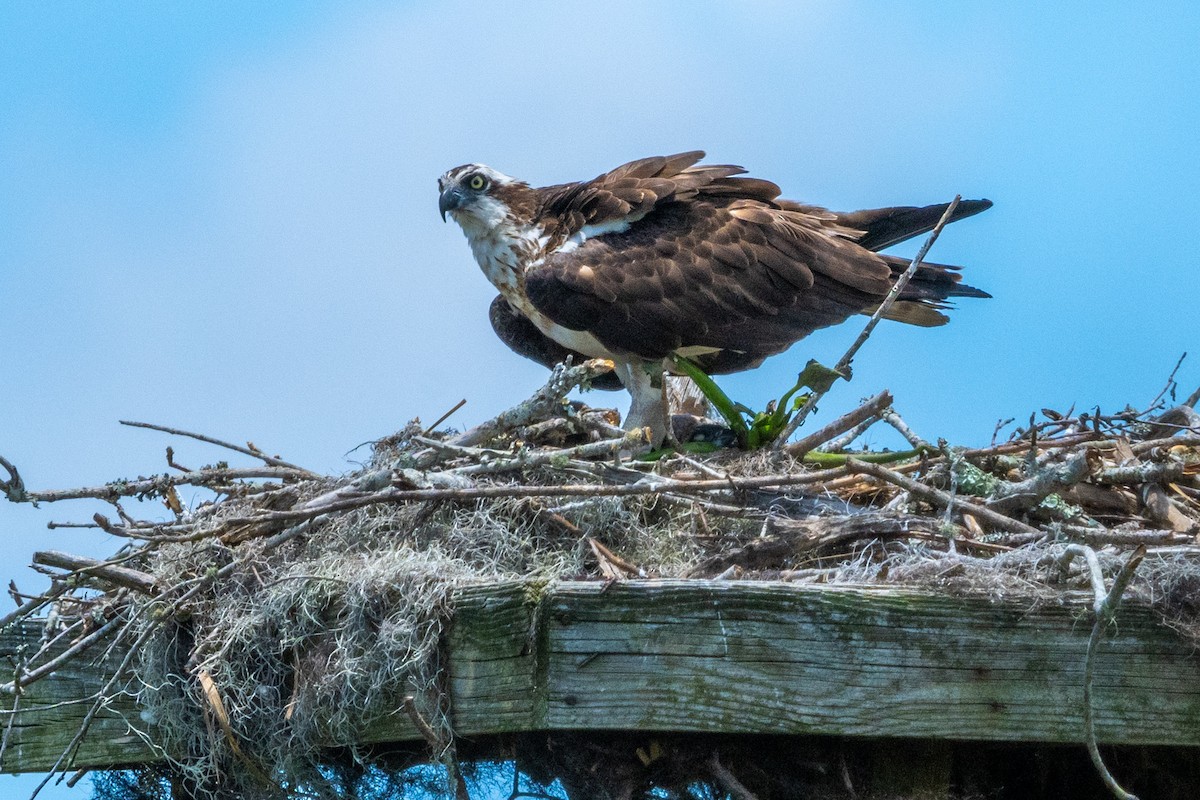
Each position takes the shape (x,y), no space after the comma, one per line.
(291,611)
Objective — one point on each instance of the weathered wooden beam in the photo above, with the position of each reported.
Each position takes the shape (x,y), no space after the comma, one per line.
(742,657)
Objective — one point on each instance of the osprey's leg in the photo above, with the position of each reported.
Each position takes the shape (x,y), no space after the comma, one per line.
(649,408)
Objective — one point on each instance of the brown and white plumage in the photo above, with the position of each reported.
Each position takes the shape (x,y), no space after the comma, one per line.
(664,256)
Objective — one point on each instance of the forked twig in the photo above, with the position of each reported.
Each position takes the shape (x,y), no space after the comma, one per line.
(215,478)
(14,487)
(90,567)
(871,409)
(543,403)
(255,452)
(1170,384)
(34,604)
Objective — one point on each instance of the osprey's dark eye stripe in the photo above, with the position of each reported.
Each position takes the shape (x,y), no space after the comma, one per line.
(477,181)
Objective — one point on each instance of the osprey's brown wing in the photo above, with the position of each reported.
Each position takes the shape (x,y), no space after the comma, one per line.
(713,259)
(713,262)
(631,191)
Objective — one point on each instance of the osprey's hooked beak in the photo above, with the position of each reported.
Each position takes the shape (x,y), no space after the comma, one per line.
(452,198)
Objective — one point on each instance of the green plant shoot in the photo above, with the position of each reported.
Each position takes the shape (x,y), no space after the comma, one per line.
(755,429)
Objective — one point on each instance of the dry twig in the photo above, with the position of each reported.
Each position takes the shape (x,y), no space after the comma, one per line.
(940,498)
(843,364)
(1104,609)
(250,451)
(546,402)
(90,567)
(869,410)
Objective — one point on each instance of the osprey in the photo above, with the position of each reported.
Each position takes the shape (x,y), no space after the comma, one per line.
(665,257)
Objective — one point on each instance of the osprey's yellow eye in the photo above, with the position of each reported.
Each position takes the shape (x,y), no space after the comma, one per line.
(477,182)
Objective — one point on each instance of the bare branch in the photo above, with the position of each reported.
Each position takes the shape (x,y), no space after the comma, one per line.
(843,364)
(1137,474)
(868,410)
(249,451)
(1104,609)
(207,478)
(26,678)
(444,417)
(1012,497)
(546,401)
(1099,537)
(34,604)
(493,461)
(437,746)
(940,498)
(839,444)
(648,484)
(892,418)
(1174,420)
(1193,398)
(90,567)
(14,487)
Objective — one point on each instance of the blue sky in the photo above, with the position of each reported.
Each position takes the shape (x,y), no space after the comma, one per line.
(223,217)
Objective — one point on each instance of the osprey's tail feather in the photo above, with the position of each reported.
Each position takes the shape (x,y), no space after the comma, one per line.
(884,227)
(926,294)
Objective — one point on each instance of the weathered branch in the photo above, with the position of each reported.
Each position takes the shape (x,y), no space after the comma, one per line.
(891,417)
(1193,398)
(80,565)
(1099,537)
(249,451)
(438,746)
(940,498)
(48,668)
(838,444)
(546,401)
(869,409)
(14,487)
(1010,497)
(1104,608)
(157,485)
(34,604)
(494,461)
(1137,474)
(786,538)
(650,484)
(1174,420)
(1150,445)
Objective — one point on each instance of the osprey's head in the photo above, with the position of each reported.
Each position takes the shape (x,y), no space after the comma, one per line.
(481,198)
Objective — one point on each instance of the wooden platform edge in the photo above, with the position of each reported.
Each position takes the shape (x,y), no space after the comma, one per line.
(732,657)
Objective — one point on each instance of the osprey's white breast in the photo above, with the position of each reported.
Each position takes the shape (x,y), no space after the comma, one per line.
(504,253)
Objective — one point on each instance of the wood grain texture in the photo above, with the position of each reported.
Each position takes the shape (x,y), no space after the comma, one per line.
(740,656)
